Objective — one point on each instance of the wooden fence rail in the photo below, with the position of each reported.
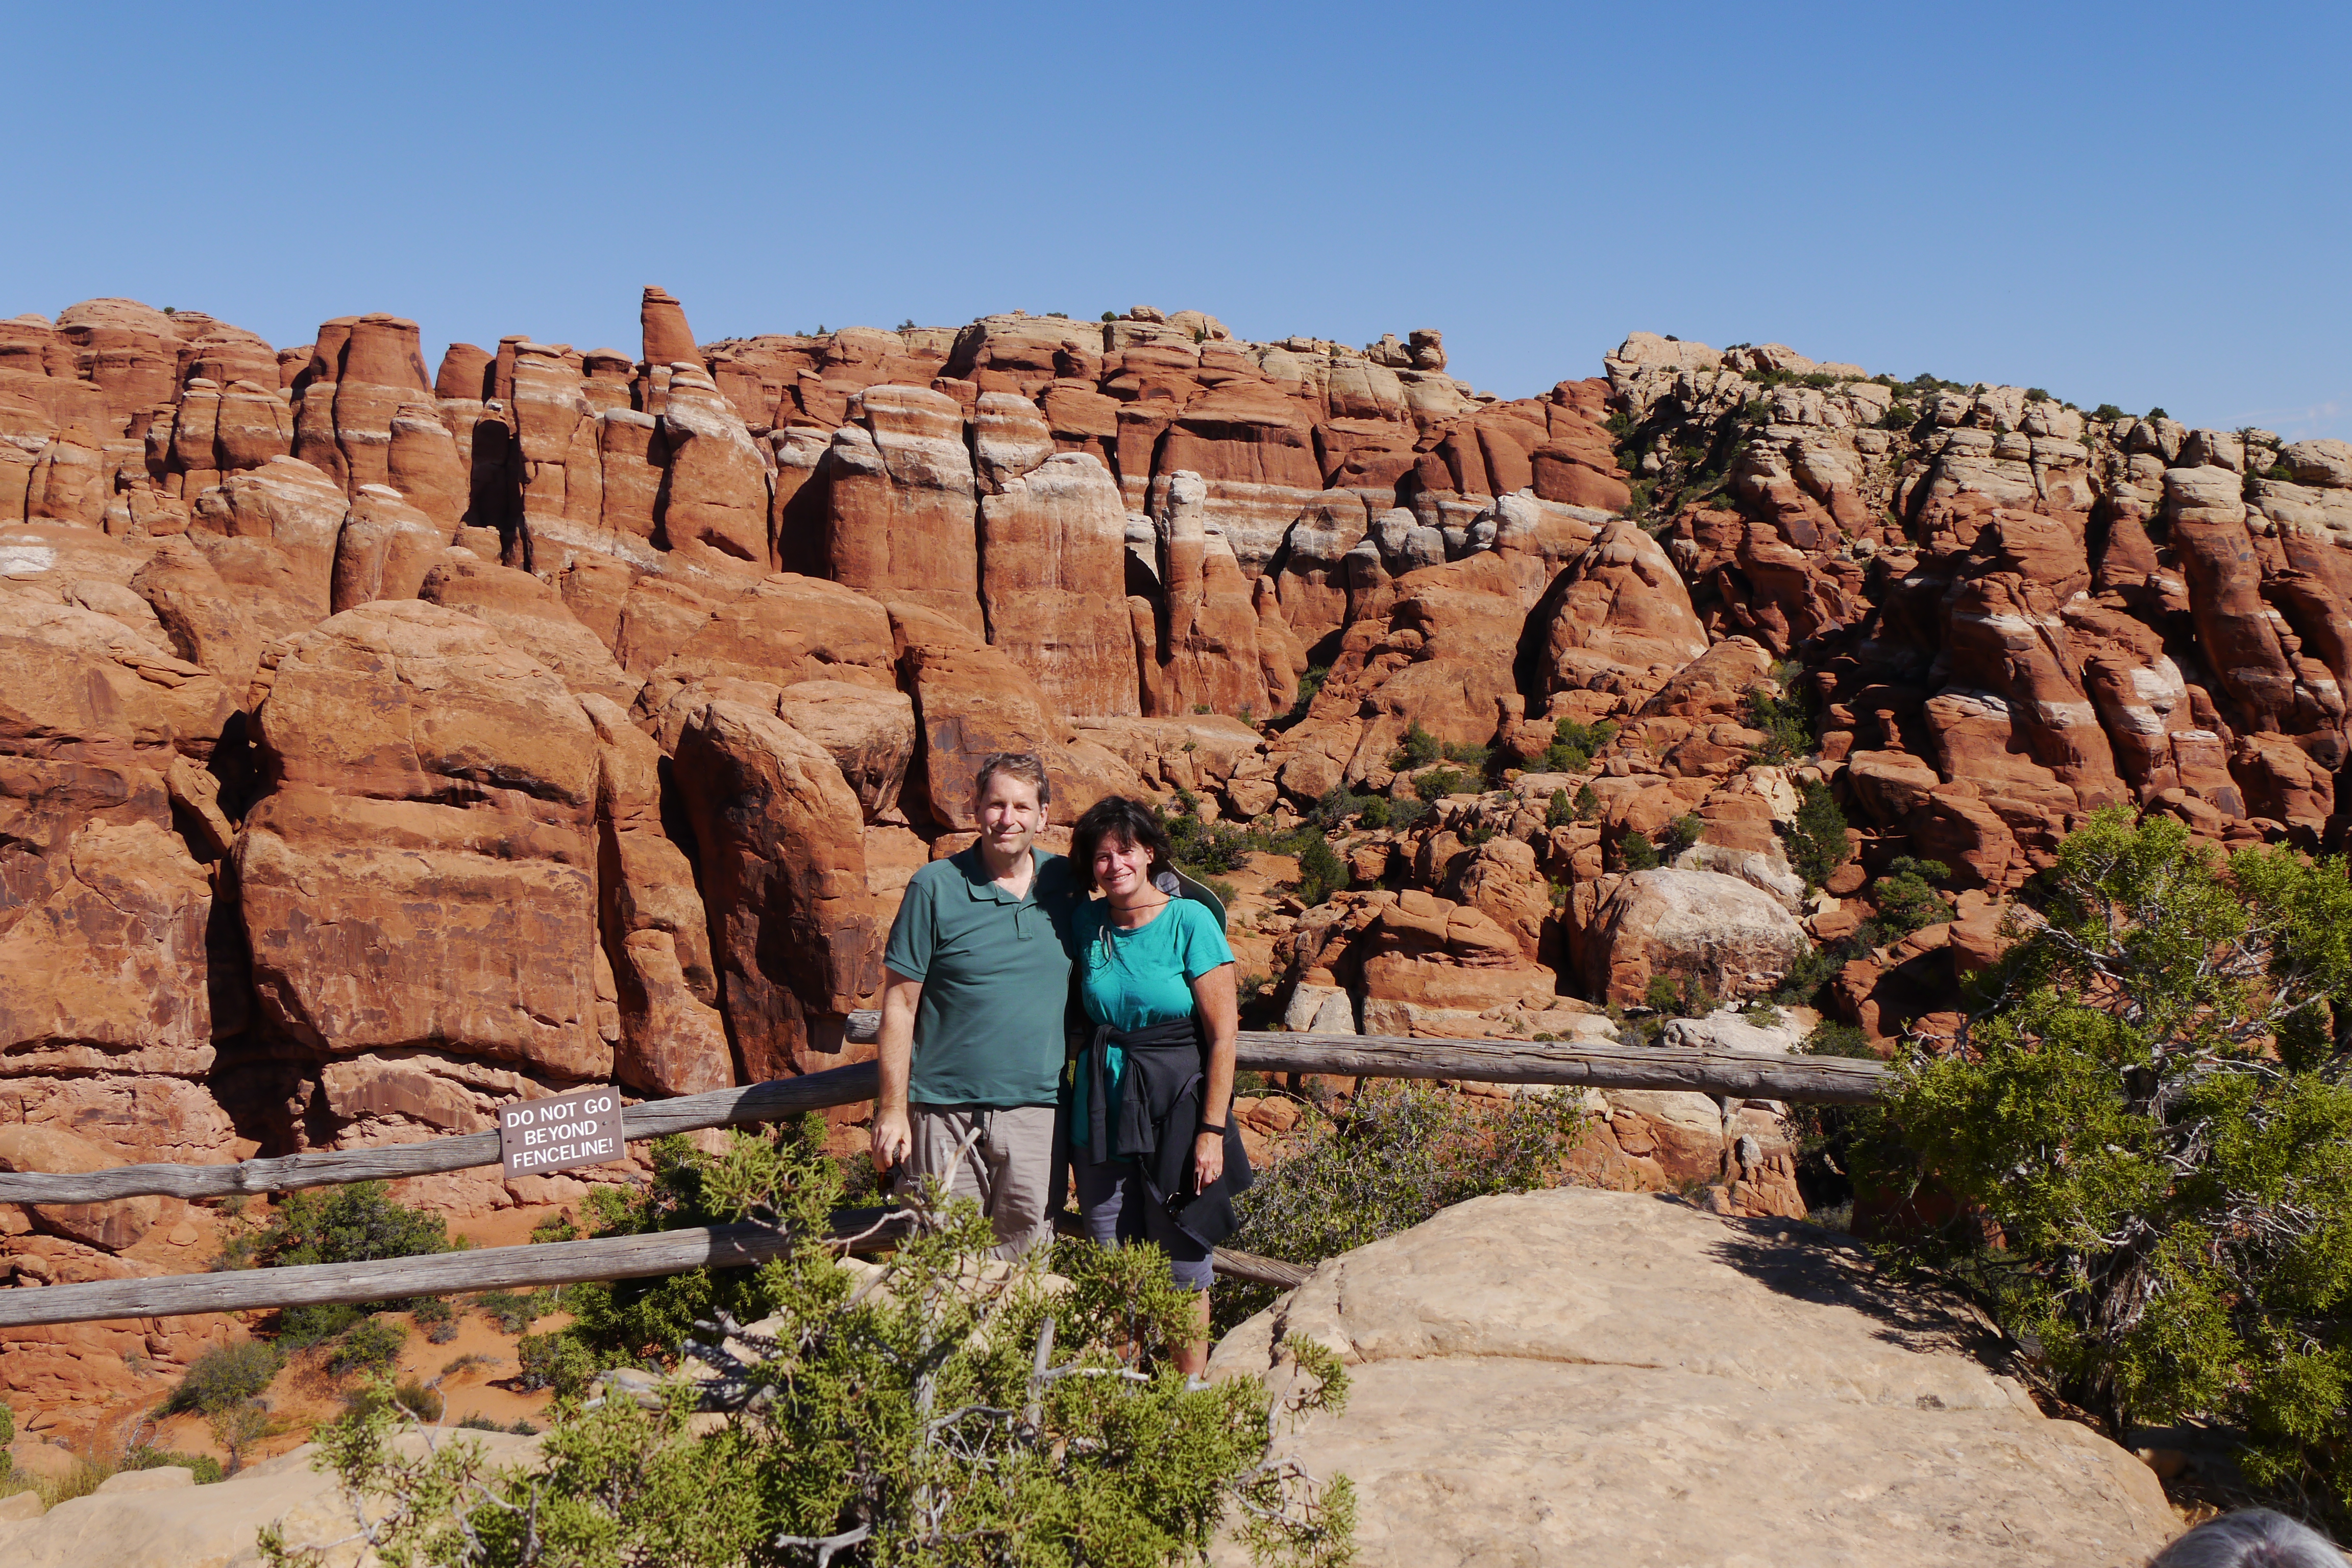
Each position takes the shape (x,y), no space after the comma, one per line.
(483,1269)
(1833,1080)
(1725,1075)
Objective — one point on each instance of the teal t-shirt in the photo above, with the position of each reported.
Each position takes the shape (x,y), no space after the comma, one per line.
(1134,979)
(996,980)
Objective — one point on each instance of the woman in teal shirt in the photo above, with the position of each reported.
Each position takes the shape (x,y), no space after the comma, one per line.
(1151,1141)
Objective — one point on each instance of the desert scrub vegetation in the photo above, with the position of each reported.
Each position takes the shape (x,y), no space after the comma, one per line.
(1204,849)
(1574,745)
(1396,1153)
(355,1223)
(1816,842)
(2148,1123)
(1783,715)
(943,1411)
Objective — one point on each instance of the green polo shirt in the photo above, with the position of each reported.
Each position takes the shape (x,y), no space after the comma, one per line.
(996,977)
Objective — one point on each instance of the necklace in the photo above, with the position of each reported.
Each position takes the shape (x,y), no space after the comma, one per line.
(1110,924)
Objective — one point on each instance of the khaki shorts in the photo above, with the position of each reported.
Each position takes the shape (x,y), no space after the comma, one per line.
(1009,1166)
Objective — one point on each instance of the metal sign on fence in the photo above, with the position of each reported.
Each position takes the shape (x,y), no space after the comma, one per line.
(540,1136)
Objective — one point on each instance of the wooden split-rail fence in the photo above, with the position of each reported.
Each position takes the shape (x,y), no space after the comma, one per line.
(1725,1075)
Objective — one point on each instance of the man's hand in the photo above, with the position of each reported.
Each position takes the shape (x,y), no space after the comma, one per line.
(1208,1160)
(892,1140)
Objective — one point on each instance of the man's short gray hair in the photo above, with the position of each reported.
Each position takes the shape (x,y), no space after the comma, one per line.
(1023,766)
(2251,1538)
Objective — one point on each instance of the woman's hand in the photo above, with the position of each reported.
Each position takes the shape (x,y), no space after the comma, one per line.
(1208,1160)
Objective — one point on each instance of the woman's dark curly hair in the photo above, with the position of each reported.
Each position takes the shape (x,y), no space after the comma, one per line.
(1130,822)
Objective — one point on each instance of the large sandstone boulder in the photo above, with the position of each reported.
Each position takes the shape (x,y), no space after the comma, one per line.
(784,629)
(1580,1376)
(1053,579)
(900,523)
(1731,936)
(178,1525)
(971,699)
(655,931)
(715,489)
(107,969)
(421,871)
(274,528)
(529,617)
(1212,644)
(111,990)
(1618,619)
(111,1226)
(798,934)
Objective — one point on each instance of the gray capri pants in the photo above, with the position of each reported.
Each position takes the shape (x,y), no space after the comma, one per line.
(1117,1211)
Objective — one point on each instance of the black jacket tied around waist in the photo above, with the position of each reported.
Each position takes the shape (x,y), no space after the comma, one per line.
(1155,1120)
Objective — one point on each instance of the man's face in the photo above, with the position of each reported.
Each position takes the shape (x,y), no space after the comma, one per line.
(1009,815)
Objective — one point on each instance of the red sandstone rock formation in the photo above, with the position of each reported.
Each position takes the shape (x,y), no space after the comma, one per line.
(653,678)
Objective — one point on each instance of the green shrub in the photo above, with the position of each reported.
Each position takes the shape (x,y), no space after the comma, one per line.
(1574,744)
(1438,783)
(1898,416)
(422,1398)
(1682,832)
(370,1345)
(927,1422)
(1377,812)
(557,1226)
(2107,412)
(1205,848)
(1588,803)
(1664,995)
(638,1319)
(1815,967)
(1906,901)
(355,1223)
(1783,716)
(1559,810)
(1400,1152)
(299,1328)
(415,1399)
(1475,758)
(1636,853)
(1817,844)
(558,1361)
(1418,750)
(146,1457)
(514,1311)
(437,1317)
(1338,804)
(7,1425)
(1321,872)
(2150,1128)
(1831,1039)
(238,1428)
(226,1375)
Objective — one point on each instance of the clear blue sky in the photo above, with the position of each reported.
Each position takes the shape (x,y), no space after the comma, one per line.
(2142,204)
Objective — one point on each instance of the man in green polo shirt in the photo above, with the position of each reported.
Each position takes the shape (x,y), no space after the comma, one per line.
(971,1045)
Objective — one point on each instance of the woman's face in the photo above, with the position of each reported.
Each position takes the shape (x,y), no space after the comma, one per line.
(1121,869)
